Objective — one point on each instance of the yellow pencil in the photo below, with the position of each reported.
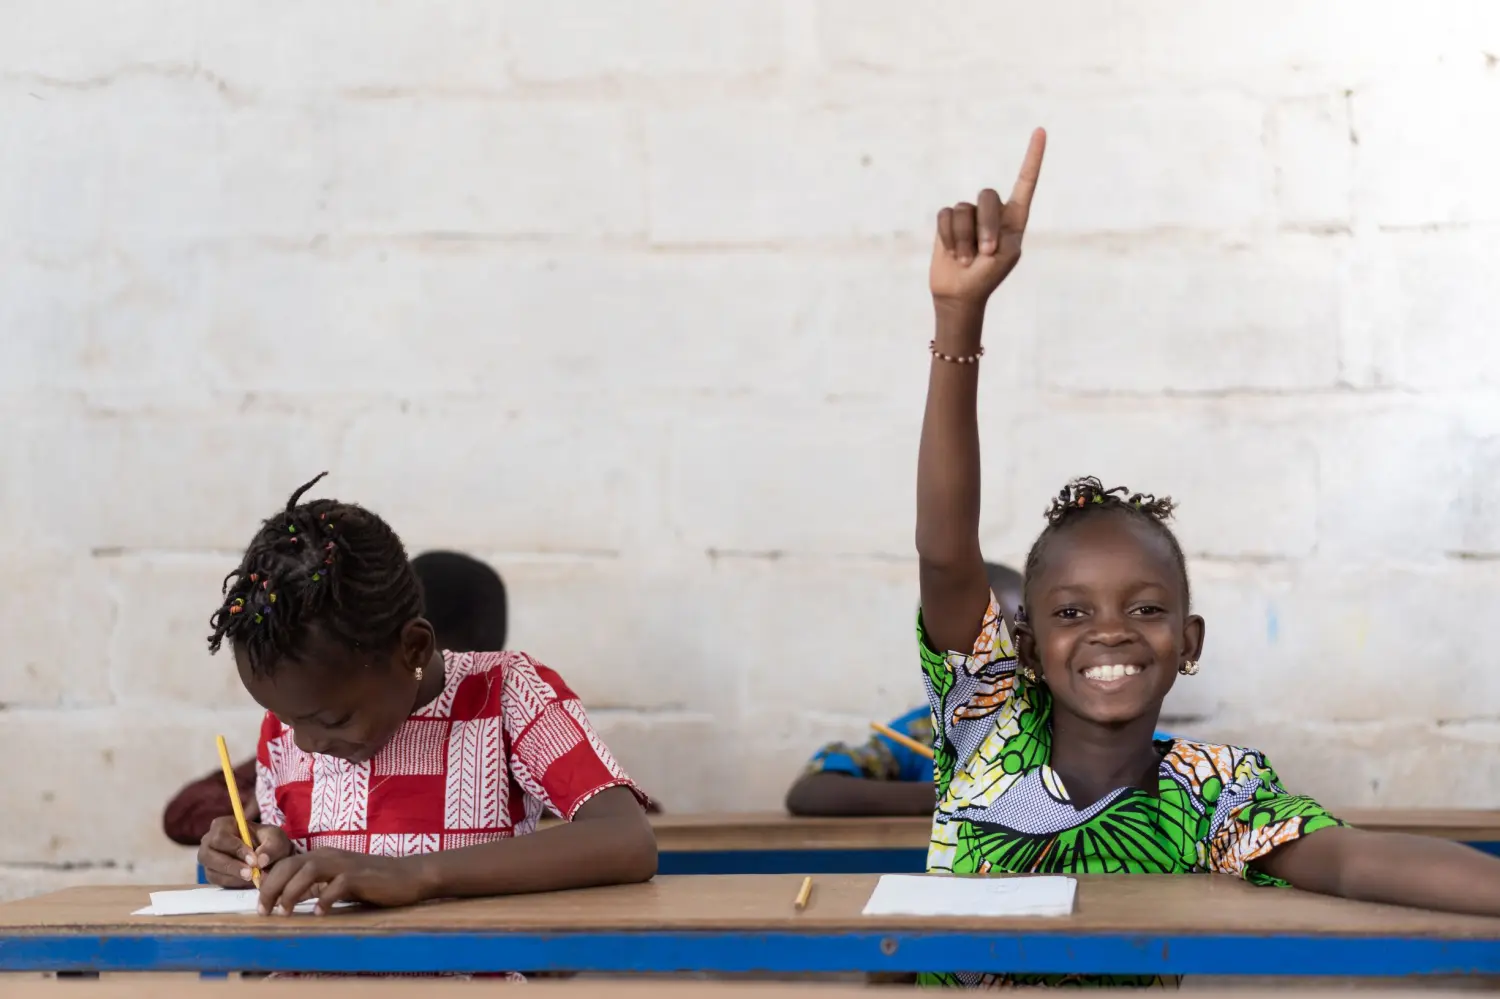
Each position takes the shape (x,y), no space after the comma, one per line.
(905,740)
(239,809)
(803,894)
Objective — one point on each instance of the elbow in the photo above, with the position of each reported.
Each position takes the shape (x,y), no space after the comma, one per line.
(940,553)
(638,854)
(644,858)
(806,798)
(930,547)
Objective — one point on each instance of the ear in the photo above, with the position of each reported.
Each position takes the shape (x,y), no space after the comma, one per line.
(1025,642)
(1192,637)
(415,645)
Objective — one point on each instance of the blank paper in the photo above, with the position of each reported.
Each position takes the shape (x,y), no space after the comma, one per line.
(212,902)
(936,895)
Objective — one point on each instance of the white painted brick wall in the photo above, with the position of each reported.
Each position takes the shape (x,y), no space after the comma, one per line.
(630,299)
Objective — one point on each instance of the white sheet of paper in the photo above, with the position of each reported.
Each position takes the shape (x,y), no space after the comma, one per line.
(936,895)
(211,902)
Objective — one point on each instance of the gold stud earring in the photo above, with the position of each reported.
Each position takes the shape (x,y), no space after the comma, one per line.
(1027,673)
(1189,667)
(418,674)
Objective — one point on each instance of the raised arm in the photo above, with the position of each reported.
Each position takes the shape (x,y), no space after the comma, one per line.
(977,245)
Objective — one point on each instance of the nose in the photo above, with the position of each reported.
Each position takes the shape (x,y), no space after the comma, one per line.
(309,742)
(1111,628)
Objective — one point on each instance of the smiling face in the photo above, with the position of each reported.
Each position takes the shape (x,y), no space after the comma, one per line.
(340,701)
(1107,618)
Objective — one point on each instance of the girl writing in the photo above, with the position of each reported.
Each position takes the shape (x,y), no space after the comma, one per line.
(388,771)
(1045,759)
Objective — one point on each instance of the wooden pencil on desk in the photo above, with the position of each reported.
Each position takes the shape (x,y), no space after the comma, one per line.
(239,809)
(803,894)
(905,740)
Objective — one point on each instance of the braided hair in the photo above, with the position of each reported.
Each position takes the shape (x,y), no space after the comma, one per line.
(336,564)
(1087,497)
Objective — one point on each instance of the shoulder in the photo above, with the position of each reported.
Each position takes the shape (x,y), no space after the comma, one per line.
(1207,769)
(486,683)
(993,644)
(271,728)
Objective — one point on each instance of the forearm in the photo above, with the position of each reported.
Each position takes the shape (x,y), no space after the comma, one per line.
(948,459)
(1423,871)
(615,848)
(834,794)
(1394,868)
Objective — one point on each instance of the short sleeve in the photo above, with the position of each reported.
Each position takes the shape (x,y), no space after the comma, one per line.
(1254,815)
(553,751)
(966,687)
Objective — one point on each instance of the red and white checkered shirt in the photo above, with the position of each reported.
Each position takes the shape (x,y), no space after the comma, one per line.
(504,741)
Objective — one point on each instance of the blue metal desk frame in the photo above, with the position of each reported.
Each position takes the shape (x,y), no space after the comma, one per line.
(811,951)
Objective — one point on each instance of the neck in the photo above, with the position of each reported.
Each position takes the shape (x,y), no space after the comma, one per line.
(432,681)
(1095,759)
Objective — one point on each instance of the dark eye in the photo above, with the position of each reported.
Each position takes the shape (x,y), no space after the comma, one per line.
(1068,613)
(1150,610)
(338,722)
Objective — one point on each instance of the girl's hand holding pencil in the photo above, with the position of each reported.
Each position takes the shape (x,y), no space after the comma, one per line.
(229,863)
(233,853)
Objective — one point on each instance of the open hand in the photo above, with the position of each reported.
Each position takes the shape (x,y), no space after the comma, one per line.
(978,245)
(227,861)
(339,876)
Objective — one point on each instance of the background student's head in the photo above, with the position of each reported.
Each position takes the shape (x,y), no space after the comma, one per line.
(465,601)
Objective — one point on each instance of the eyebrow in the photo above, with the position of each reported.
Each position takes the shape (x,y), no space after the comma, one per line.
(1134,587)
(319,715)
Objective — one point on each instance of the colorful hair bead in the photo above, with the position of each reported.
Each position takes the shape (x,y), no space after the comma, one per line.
(254,576)
(317,576)
(258,619)
(291,528)
(272,598)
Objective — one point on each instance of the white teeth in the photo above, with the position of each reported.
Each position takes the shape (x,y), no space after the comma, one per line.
(1113,672)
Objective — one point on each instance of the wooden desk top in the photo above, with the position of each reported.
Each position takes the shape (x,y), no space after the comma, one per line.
(778,831)
(1196,904)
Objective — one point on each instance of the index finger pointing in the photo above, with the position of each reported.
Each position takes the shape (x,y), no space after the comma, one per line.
(1031,169)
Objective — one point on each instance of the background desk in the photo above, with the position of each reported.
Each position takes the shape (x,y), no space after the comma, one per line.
(776,843)
(1143,924)
(784,844)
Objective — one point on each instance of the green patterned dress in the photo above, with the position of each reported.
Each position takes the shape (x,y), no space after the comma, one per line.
(1002,809)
